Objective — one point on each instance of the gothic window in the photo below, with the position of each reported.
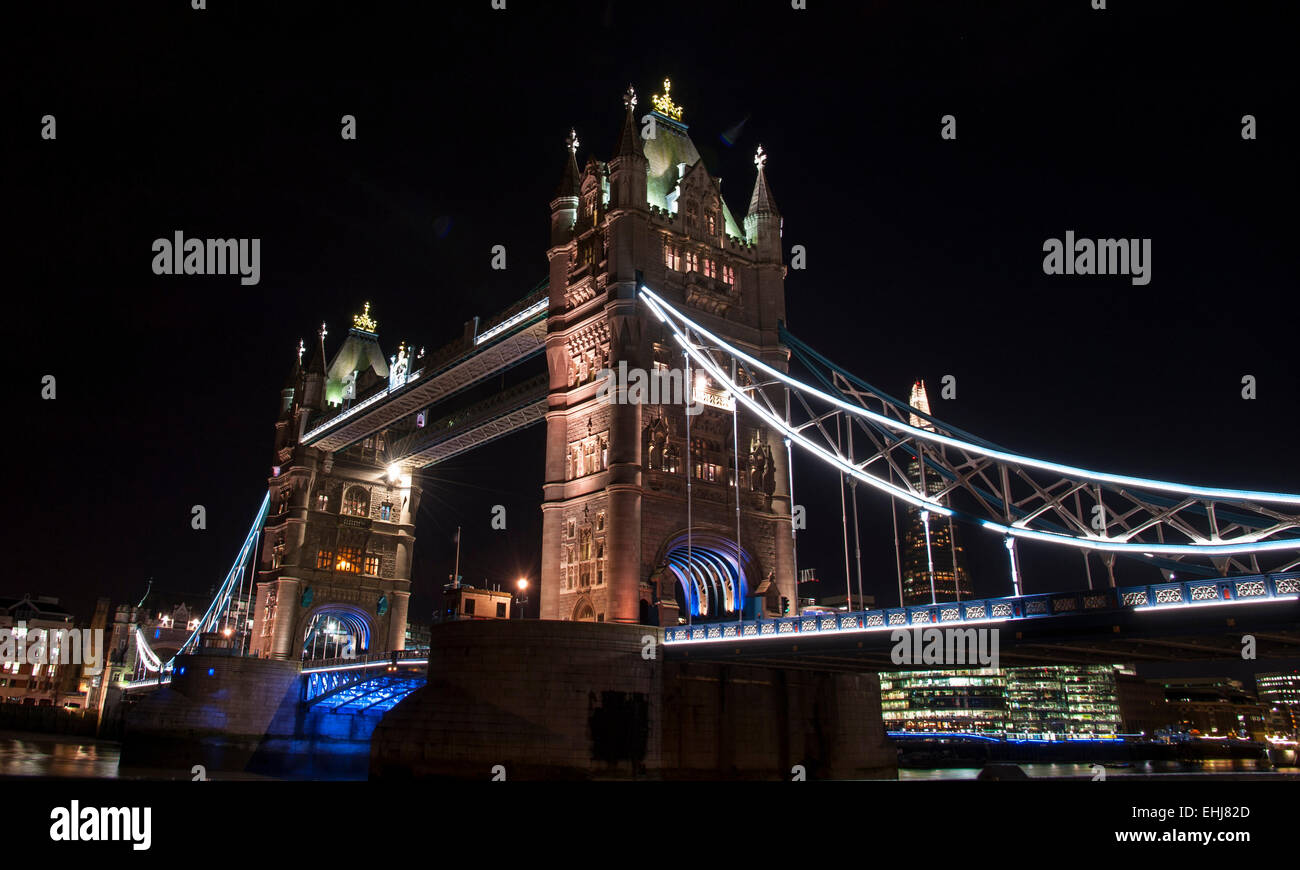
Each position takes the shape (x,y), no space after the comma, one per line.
(600,562)
(386,511)
(322,501)
(356,501)
(710,267)
(600,521)
(325,560)
(572,526)
(729,275)
(372,564)
(349,560)
(711,221)
(672,256)
(604,454)
(692,261)
(584,557)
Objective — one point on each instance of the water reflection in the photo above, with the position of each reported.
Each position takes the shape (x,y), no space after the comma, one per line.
(56,755)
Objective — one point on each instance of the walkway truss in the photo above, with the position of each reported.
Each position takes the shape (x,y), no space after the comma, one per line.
(1195,529)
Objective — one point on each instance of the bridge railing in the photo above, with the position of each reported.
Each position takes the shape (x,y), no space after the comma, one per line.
(982,610)
(366,660)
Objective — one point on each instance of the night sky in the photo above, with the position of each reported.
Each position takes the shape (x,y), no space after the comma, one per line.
(924,255)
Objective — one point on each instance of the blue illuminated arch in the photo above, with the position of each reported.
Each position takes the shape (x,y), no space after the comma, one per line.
(353,621)
(716,579)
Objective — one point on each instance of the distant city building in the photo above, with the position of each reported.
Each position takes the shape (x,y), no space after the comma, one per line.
(1216,707)
(44,684)
(1063,700)
(417,636)
(1142,706)
(963,701)
(1279,691)
(932,566)
(1044,703)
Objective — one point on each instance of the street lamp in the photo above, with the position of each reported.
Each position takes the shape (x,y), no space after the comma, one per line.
(522,597)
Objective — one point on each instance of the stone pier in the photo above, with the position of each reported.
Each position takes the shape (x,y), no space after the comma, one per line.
(548,699)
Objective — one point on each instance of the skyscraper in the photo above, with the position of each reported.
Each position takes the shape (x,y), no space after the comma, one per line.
(932,557)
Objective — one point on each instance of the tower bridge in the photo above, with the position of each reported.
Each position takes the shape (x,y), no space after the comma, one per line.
(683,522)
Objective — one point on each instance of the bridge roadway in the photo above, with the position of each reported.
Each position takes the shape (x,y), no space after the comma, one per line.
(1161,623)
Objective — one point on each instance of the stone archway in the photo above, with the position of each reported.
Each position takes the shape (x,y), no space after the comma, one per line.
(714,579)
(583,611)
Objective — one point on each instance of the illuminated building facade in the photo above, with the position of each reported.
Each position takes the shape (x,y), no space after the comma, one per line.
(952,702)
(932,568)
(333,574)
(1279,691)
(46,682)
(1044,703)
(1063,700)
(617,545)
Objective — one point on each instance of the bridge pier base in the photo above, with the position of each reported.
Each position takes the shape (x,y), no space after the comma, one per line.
(568,700)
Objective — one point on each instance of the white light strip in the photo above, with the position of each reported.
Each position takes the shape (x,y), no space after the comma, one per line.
(531,311)
(385,663)
(1065,470)
(1253,546)
(707,364)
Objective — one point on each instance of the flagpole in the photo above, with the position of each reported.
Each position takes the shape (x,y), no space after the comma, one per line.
(455,574)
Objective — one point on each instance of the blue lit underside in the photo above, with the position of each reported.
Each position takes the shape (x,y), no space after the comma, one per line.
(375,695)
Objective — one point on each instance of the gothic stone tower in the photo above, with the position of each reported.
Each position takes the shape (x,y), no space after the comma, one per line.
(336,546)
(616,546)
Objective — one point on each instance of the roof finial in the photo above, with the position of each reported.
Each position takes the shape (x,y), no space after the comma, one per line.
(629,98)
(572,140)
(323,332)
(664,104)
(364,321)
(301,347)
(760,157)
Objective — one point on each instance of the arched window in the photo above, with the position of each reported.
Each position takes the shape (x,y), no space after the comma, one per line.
(356,501)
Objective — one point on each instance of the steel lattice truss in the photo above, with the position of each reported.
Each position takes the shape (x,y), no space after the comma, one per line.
(877,439)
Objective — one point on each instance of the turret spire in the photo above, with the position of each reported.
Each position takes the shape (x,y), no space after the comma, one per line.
(569,182)
(761,201)
(629,140)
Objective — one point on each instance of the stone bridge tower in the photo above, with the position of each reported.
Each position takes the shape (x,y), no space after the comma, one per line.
(617,546)
(335,553)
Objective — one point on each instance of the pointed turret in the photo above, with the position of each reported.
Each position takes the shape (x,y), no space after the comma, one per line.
(564,207)
(313,382)
(627,168)
(763,223)
(292,384)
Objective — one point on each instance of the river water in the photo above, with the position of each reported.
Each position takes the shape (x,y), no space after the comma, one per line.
(61,756)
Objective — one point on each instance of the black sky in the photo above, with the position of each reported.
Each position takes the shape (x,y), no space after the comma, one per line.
(925,256)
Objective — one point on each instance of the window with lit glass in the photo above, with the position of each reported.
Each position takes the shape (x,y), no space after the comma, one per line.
(349,560)
(372,565)
(322,501)
(325,560)
(356,502)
